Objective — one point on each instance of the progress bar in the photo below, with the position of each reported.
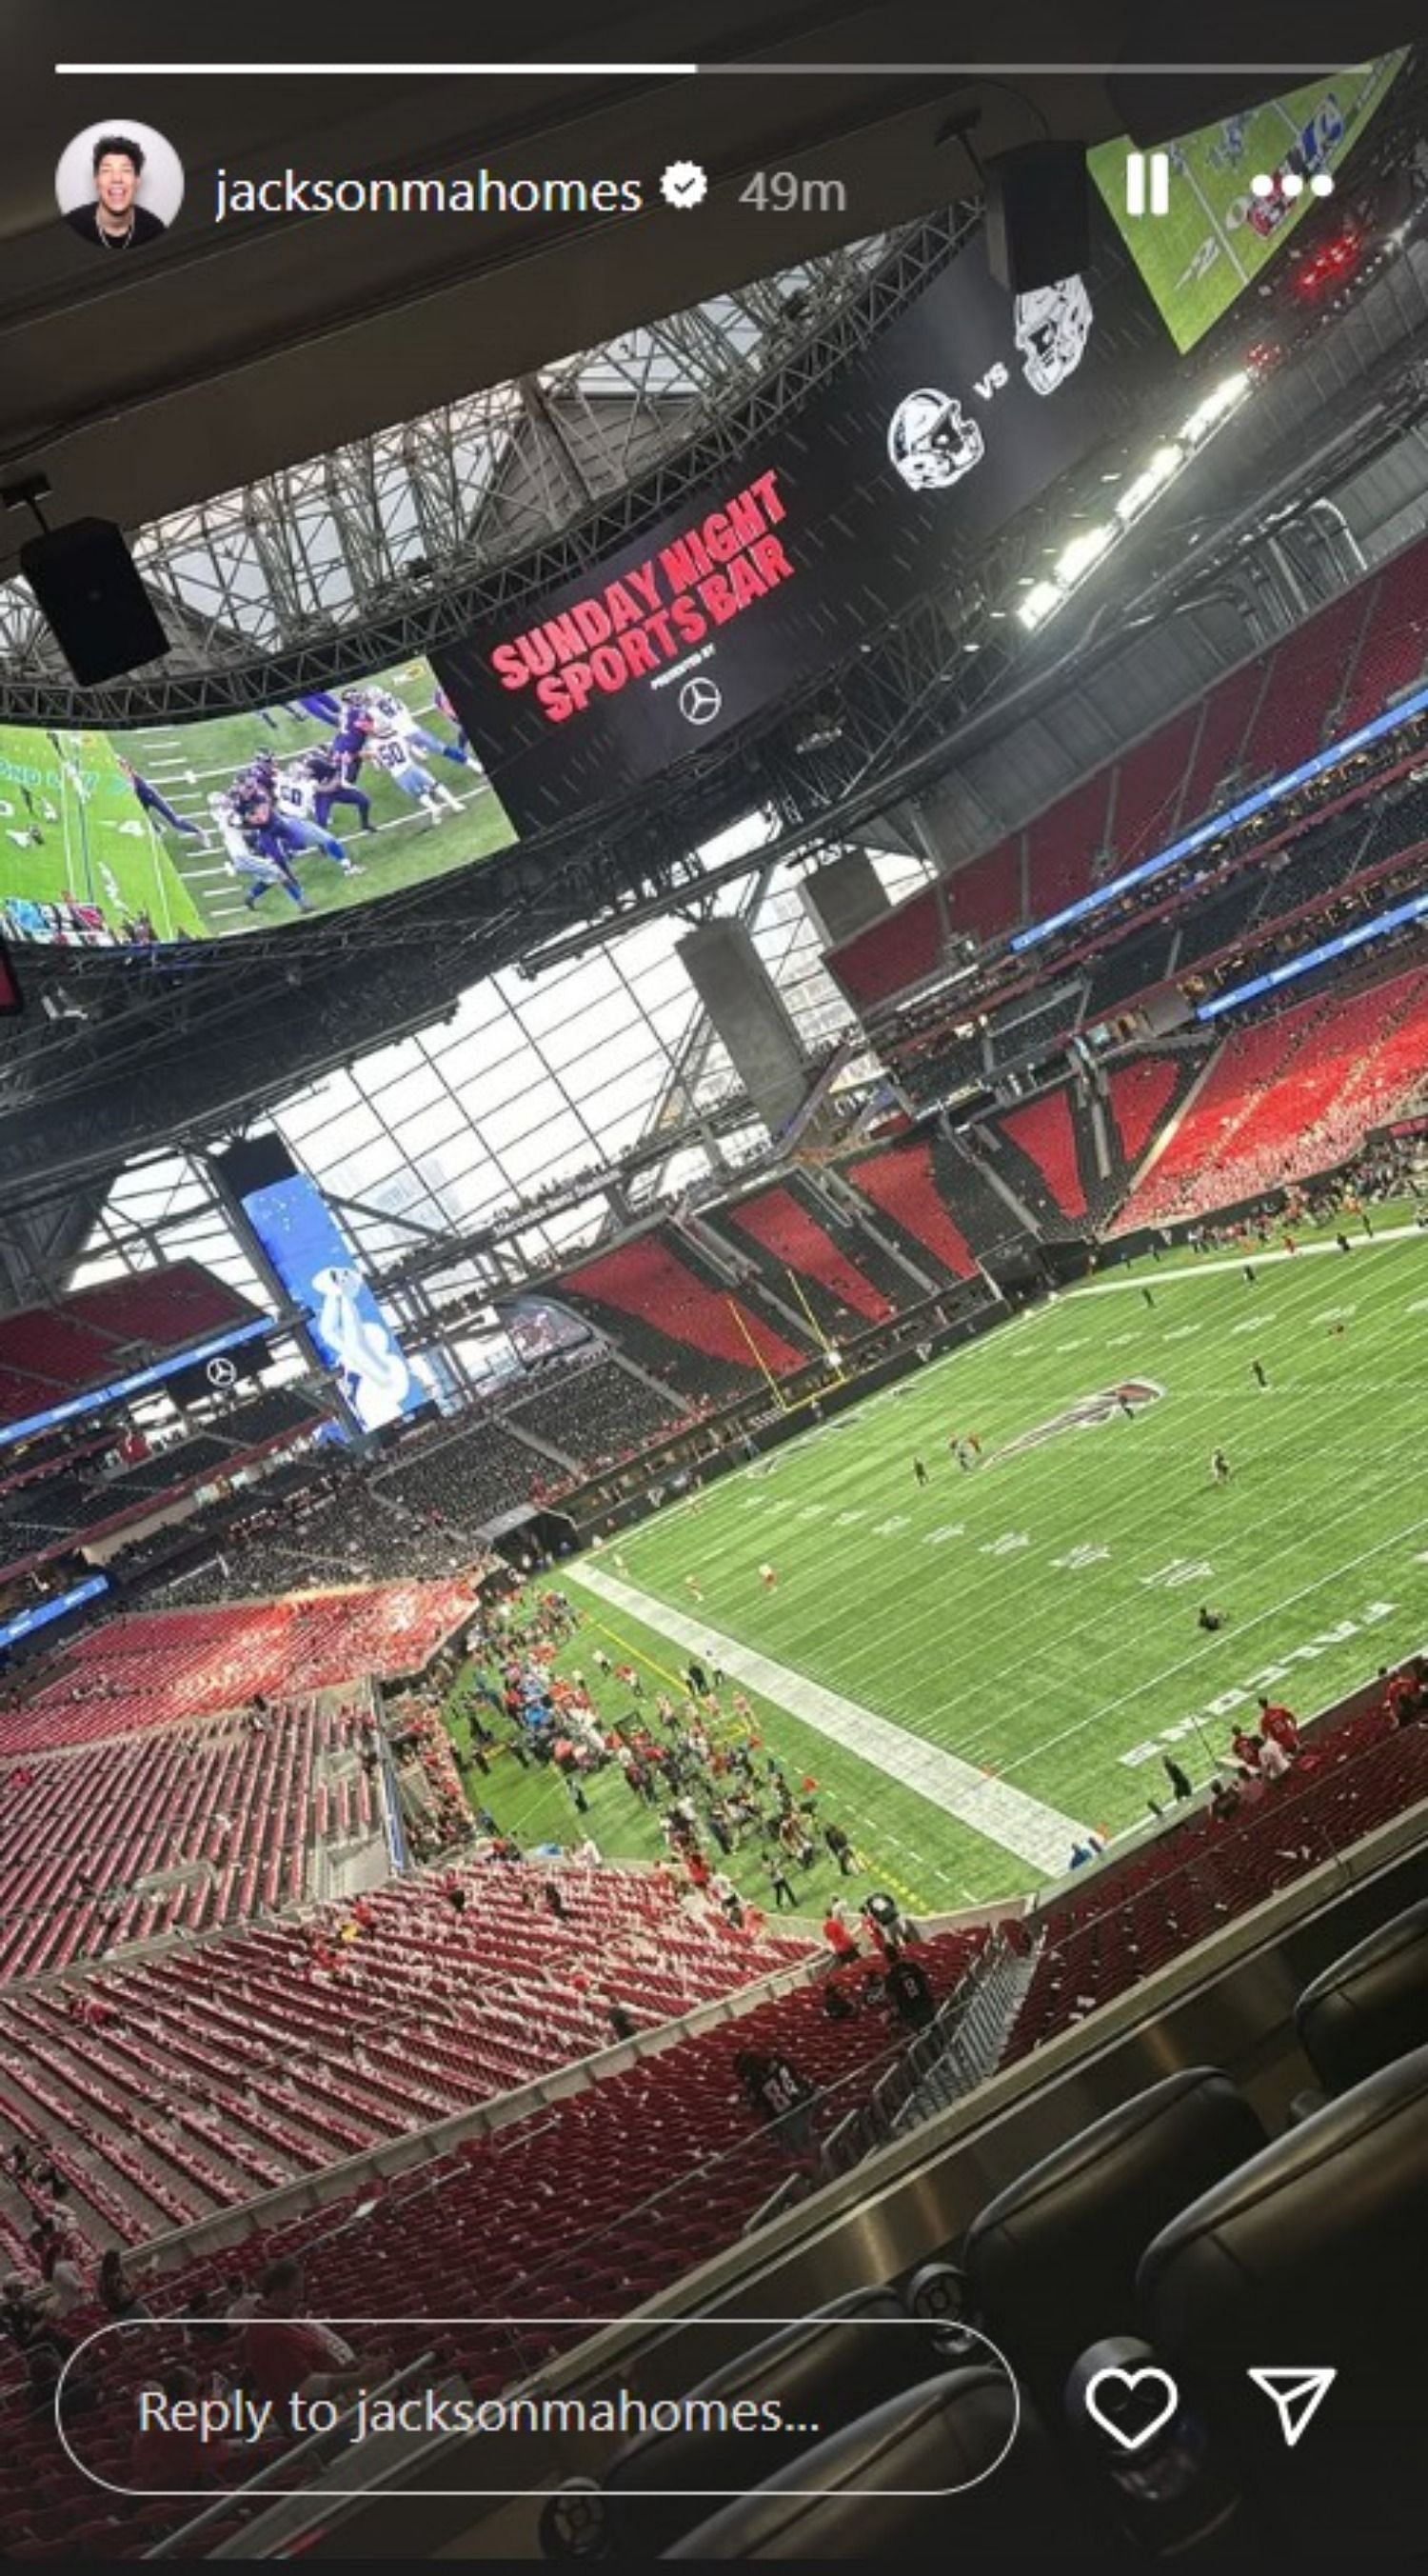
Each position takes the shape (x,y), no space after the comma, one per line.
(404,69)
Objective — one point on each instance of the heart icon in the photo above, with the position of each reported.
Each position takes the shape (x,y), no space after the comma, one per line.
(1128,2381)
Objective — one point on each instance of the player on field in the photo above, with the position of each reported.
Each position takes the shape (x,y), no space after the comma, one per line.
(393,713)
(391,751)
(445,708)
(1257,1372)
(691,1586)
(355,728)
(153,803)
(273,835)
(294,793)
(768,1578)
(1219,1467)
(260,871)
(330,788)
(919,1471)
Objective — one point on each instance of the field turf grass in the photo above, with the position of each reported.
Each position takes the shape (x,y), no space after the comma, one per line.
(100,847)
(1037,1616)
(1202,252)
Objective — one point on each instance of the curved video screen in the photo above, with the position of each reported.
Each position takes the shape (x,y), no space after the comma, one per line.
(234,823)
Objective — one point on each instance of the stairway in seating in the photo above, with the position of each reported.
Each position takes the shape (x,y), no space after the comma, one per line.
(971,2031)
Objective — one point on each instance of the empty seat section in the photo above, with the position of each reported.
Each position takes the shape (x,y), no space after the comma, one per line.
(689,1322)
(1044,1131)
(1215,763)
(902,1183)
(1394,649)
(1063,845)
(898,950)
(984,897)
(1136,1915)
(1149,788)
(154,1668)
(1140,1096)
(779,1222)
(1305,680)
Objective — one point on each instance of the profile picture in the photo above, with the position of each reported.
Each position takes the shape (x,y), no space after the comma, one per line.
(119,184)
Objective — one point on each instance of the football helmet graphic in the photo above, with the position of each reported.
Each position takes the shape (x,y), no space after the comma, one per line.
(1052,327)
(931,441)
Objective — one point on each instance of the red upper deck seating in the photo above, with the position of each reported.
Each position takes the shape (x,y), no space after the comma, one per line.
(1044,1132)
(1394,649)
(901,1183)
(650,1283)
(151,1834)
(160,1666)
(779,1221)
(1149,792)
(1140,1095)
(1266,717)
(1306,676)
(50,1353)
(1290,1096)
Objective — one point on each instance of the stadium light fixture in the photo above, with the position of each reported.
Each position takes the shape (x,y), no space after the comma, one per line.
(1041,601)
(1084,550)
(1222,399)
(1164,465)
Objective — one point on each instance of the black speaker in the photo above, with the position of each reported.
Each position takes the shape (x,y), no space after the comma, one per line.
(85,581)
(1038,215)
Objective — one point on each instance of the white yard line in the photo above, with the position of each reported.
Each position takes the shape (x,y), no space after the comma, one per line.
(1008,1817)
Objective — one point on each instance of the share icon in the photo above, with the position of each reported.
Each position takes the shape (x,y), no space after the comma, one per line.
(1297,2395)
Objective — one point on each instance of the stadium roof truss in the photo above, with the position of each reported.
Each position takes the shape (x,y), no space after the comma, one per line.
(364,557)
(377,552)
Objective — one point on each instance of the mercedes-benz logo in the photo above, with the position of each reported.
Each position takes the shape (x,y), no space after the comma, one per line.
(221,1372)
(700,700)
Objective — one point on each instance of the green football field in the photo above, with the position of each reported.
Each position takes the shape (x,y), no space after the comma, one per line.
(1030,1627)
(1199,255)
(70,825)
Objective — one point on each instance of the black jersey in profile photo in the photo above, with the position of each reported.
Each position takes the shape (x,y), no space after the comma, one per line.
(140,227)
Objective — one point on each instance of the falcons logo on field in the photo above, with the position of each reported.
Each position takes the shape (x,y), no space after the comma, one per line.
(1086,1414)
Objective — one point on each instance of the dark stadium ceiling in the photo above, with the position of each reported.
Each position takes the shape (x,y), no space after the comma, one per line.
(230,351)
(121,1052)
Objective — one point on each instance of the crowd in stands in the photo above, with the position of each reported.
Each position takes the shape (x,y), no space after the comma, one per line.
(598,1413)
(1281,1802)
(469,1473)
(1289,1096)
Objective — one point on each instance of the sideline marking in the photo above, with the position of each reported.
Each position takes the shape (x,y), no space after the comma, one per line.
(1008,1817)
